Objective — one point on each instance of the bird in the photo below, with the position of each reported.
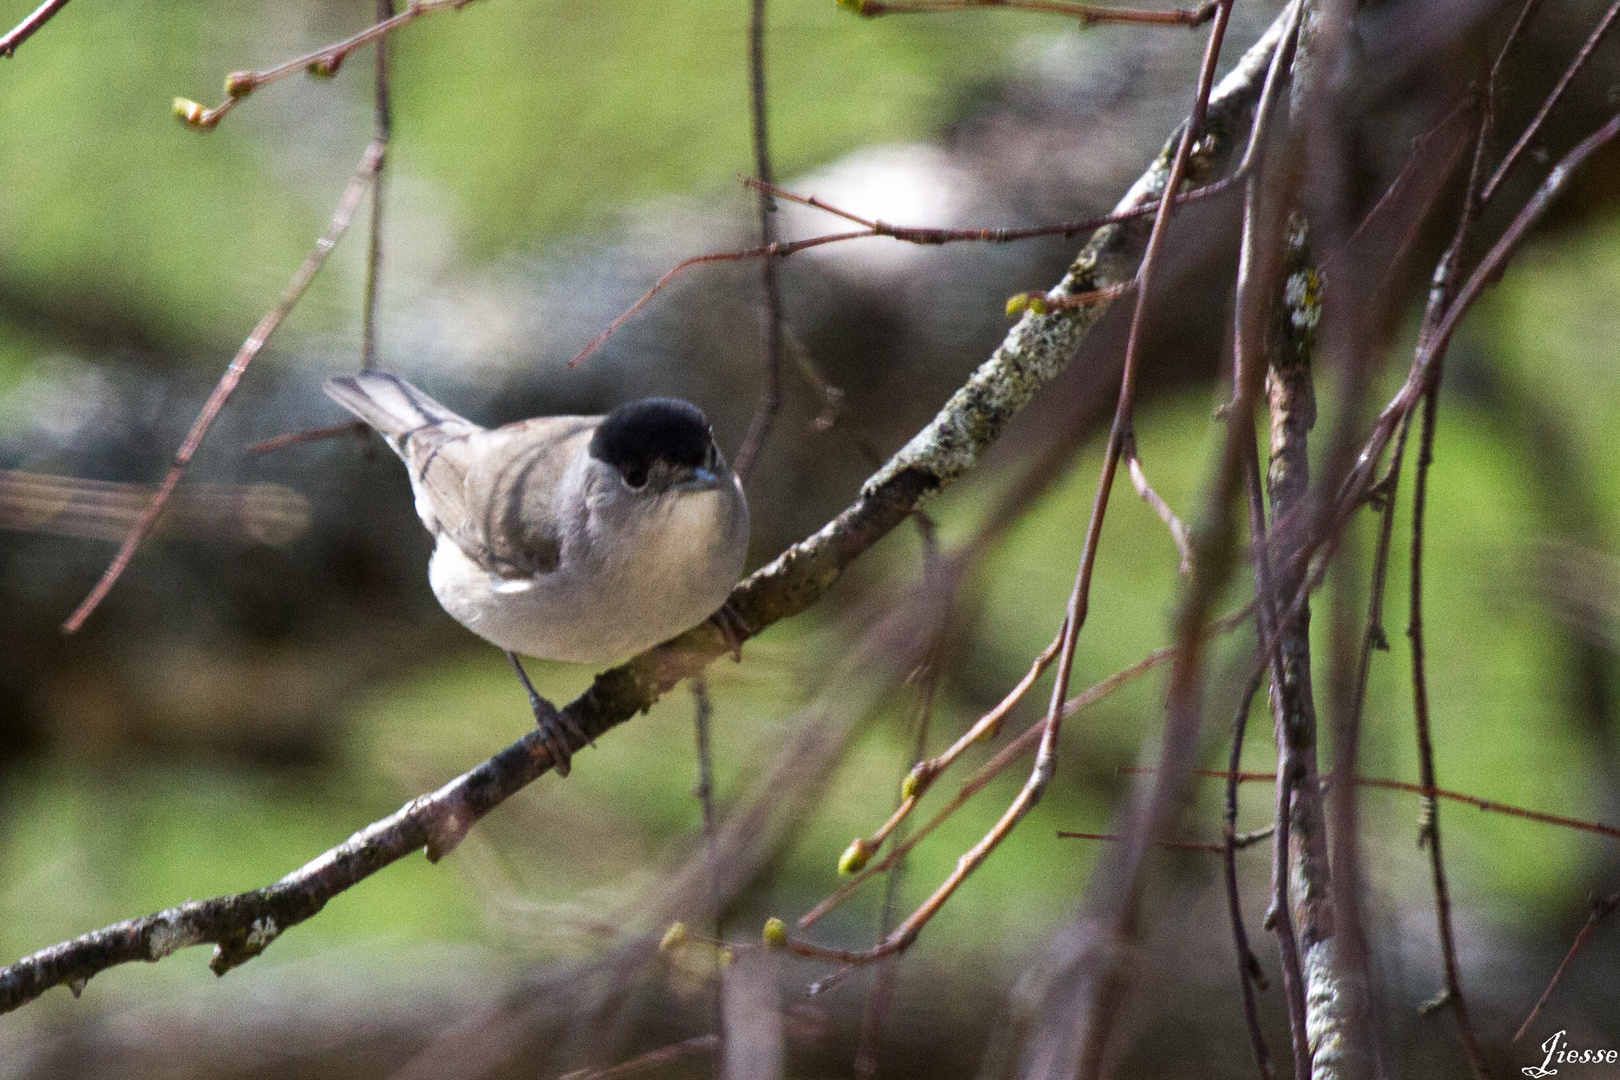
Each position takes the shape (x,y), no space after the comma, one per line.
(576,538)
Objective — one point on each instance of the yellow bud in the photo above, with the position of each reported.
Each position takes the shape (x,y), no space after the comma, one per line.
(1017,304)
(854,856)
(916,781)
(775,934)
(192,113)
(325,68)
(240,83)
(673,937)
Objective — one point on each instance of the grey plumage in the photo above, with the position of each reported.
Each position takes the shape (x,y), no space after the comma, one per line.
(543,548)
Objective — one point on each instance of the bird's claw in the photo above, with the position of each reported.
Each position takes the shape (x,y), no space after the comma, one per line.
(557,728)
(733,628)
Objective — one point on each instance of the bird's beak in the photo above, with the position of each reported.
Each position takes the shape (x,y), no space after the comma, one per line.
(702,480)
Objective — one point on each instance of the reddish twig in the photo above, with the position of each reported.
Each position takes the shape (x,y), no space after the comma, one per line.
(1139,480)
(1406,787)
(1002,759)
(664,1055)
(29,26)
(1429,831)
(363,175)
(1513,156)
(323,63)
(1088,14)
(1601,909)
(1046,753)
(293,438)
(383,129)
(770,310)
(782,249)
(1240,841)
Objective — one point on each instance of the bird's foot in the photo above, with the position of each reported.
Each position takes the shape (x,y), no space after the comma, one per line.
(733,628)
(557,728)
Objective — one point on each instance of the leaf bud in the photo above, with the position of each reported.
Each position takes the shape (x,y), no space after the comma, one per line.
(240,83)
(192,114)
(854,856)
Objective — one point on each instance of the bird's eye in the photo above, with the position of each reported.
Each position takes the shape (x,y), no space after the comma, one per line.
(635,477)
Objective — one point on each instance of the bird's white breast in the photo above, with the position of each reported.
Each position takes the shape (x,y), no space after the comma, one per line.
(615,593)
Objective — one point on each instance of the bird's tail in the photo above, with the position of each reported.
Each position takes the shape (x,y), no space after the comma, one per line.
(398,410)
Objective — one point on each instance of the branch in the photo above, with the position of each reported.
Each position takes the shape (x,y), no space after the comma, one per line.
(1034,352)
(1408,788)
(770,310)
(323,63)
(1601,909)
(1599,32)
(370,162)
(1040,303)
(29,26)
(1088,14)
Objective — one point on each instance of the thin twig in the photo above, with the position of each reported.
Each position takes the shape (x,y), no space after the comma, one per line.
(881,994)
(1088,14)
(29,26)
(999,763)
(1256,286)
(664,1055)
(382,132)
(1074,618)
(1139,480)
(1513,156)
(1240,841)
(1601,909)
(1430,814)
(320,434)
(770,308)
(702,715)
(781,249)
(358,184)
(1354,490)
(1492,806)
(322,63)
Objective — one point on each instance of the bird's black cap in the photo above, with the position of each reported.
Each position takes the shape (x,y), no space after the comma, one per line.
(633,436)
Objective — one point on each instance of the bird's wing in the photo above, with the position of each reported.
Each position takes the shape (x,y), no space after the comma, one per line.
(517,496)
(433,442)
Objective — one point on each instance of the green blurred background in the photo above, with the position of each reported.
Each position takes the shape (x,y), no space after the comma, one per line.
(533,135)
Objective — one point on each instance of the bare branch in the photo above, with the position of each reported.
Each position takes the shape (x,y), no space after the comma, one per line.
(370,162)
(1178,531)
(664,1055)
(1513,156)
(322,63)
(770,311)
(383,130)
(1601,909)
(29,26)
(1040,304)
(1088,14)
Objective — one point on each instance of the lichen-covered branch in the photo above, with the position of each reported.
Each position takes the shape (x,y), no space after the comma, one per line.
(1290,389)
(1035,350)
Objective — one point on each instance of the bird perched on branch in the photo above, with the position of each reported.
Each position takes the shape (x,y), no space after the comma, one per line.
(581,538)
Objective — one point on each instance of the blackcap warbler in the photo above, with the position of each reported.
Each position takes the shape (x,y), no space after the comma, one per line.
(582,538)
